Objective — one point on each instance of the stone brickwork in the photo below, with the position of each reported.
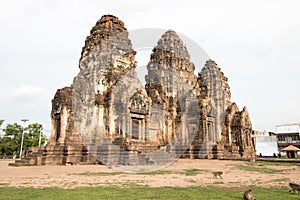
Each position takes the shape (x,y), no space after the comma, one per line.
(108,116)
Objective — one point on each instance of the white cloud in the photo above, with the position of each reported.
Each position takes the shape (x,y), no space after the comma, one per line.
(28,96)
(26,90)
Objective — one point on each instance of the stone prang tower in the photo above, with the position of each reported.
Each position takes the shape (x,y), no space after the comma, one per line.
(108,116)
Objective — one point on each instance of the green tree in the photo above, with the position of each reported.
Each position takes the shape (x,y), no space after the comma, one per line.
(13,131)
(11,142)
(7,146)
(34,136)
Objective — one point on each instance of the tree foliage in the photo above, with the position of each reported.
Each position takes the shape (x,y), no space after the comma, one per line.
(10,143)
(7,146)
(33,134)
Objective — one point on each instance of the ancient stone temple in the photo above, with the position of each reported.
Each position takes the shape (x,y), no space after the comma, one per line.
(108,116)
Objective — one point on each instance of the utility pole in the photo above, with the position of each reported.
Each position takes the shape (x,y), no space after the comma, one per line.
(40,137)
(21,149)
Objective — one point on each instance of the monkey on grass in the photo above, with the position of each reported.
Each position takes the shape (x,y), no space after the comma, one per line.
(248,195)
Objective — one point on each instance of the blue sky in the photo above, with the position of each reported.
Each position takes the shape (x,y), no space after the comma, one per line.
(256,44)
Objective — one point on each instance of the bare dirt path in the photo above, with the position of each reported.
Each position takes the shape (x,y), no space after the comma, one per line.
(182,173)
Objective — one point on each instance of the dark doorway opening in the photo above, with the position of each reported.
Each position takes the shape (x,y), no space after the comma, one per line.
(135,128)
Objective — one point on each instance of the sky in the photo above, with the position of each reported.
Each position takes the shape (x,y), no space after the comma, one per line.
(256,44)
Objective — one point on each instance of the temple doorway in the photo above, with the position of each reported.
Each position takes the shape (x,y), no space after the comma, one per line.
(135,128)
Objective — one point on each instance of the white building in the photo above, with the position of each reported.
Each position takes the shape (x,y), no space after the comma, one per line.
(288,134)
(266,145)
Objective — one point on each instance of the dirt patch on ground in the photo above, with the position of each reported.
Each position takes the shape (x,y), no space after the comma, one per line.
(182,173)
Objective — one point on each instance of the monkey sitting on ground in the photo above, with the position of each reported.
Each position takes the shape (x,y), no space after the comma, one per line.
(294,187)
(217,174)
(248,195)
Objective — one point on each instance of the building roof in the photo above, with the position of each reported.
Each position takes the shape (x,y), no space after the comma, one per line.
(288,128)
(290,124)
(291,148)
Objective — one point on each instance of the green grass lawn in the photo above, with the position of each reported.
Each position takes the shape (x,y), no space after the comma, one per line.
(203,193)
(259,169)
(265,163)
(262,166)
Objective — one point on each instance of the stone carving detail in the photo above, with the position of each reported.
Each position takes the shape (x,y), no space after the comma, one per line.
(139,102)
(108,110)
